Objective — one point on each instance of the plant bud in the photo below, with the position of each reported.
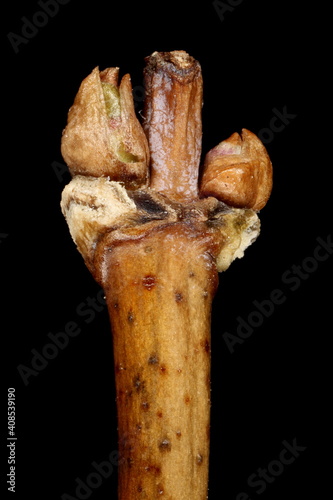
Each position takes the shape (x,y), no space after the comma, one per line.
(238,172)
(103,137)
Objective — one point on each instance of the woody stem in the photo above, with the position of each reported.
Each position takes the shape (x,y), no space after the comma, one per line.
(159,293)
(173,123)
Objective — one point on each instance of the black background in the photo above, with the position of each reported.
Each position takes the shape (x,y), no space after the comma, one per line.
(273,387)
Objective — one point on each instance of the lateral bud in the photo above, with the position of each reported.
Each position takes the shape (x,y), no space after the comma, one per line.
(238,172)
(103,136)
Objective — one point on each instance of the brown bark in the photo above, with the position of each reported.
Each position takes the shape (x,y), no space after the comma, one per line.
(159,296)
